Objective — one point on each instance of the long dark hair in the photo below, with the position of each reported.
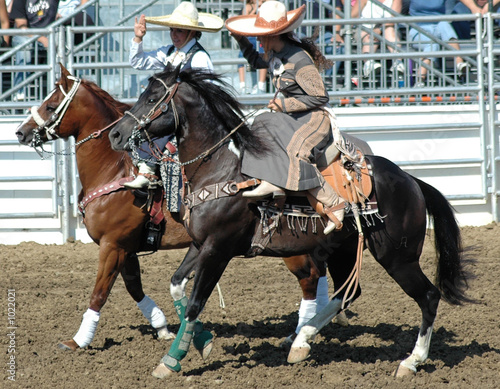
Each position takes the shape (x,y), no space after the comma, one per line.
(310,47)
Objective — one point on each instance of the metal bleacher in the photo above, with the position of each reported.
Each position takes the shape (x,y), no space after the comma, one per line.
(103,54)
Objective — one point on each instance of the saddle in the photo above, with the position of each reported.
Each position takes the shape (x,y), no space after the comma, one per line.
(349,178)
(154,200)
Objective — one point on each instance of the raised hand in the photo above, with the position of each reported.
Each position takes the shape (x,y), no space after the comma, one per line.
(140,28)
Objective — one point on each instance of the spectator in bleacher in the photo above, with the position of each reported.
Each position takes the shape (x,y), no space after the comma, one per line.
(337,39)
(250,8)
(372,10)
(186,25)
(327,39)
(68,7)
(31,14)
(4,23)
(485,9)
(467,7)
(442,30)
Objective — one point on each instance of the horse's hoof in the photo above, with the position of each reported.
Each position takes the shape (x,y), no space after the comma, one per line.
(164,333)
(68,345)
(341,319)
(298,354)
(205,351)
(203,341)
(287,343)
(162,371)
(403,371)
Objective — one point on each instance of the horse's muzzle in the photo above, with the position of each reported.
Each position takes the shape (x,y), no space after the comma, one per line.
(118,141)
(24,138)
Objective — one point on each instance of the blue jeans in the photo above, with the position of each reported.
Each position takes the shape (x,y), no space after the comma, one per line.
(462,28)
(442,30)
(24,56)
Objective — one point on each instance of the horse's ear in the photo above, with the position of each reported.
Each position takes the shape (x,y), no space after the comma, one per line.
(64,72)
(176,72)
(66,83)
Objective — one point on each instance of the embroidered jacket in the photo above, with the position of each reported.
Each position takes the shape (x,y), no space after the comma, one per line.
(294,75)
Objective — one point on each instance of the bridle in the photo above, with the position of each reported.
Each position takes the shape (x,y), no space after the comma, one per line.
(48,127)
(159,108)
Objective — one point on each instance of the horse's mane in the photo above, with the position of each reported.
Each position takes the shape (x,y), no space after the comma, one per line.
(215,92)
(116,106)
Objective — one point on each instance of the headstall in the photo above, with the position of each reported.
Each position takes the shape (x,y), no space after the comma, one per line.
(50,125)
(160,107)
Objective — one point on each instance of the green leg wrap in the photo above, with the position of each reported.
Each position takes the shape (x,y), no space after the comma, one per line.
(201,337)
(180,346)
(180,307)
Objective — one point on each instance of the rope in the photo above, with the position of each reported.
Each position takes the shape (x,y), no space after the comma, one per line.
(222,304)
(352,282)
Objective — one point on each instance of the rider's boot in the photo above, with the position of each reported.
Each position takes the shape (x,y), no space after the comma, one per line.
(333,206)
(265,189)
(144,177)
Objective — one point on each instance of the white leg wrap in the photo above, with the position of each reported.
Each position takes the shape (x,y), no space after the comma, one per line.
(151,312)
(309,331)
(307,311)
(420,351)
(306,334)
(87,329)
(322,294)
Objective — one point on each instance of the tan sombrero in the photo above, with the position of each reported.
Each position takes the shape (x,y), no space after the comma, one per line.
(272,19)
(187,17)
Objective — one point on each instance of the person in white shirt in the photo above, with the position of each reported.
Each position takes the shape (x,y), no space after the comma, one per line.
(186,25)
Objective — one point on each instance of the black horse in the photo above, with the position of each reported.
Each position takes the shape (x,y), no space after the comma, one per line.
(212,138)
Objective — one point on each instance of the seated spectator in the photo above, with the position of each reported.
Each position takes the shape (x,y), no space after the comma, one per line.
(250,8)
(31,14)
(68,7)
(337,39)
(442,30)
(467,7)
(371,10)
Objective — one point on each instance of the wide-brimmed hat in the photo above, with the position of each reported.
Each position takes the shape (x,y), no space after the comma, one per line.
(272,19)
(187,17)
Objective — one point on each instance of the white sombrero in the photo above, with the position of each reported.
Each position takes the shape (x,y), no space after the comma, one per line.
(187,17)
(272,19)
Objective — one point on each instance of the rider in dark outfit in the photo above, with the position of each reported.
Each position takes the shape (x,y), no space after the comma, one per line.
(300,124)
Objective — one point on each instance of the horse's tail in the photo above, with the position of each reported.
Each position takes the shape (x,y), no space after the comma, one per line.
(451,278)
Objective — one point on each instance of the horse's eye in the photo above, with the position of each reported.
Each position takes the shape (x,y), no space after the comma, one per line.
(151,101)
(50,108)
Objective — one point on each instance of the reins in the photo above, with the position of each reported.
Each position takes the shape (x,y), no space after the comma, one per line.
(161,107)
(217,145)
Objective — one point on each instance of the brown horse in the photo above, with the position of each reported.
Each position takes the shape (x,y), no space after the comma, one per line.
(116,221)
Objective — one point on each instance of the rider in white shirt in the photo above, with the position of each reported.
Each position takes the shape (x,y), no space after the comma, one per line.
(186,25)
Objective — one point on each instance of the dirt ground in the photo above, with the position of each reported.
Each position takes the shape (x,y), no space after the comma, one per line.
(53,284)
